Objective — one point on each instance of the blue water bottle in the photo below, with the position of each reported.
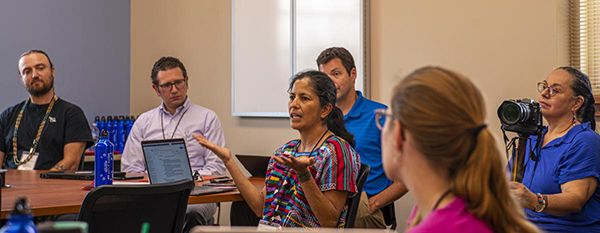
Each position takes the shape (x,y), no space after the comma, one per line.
(121,134)
(103,164)
(20,220)
(102,124)
(130,124)
(127,128)
(113,133)
(109,123)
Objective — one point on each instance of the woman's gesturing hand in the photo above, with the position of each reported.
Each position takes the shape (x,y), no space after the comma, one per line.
(300,165)
(222,152)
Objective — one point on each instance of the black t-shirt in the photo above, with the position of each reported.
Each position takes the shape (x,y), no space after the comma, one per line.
(67,123)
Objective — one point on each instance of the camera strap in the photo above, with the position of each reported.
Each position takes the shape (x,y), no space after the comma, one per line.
(537,147)
(510,145)
(532,154)
(506,146)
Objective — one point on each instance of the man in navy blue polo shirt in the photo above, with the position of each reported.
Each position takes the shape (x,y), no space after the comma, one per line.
(359,114)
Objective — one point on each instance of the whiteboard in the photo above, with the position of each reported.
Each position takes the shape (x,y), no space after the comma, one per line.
(274,39)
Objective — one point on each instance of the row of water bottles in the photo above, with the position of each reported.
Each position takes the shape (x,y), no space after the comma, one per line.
(118,128)
(20,219)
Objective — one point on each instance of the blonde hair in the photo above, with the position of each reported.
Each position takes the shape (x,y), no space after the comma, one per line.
(443,111)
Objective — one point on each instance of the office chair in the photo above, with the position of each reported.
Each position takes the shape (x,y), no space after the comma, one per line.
(355,200)
(124,208)
(389,215)
(82,162)
(218,222)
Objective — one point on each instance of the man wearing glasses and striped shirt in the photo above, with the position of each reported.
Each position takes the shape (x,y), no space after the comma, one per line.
(177,117)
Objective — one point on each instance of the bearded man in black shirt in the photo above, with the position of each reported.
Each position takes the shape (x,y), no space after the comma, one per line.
(51,133)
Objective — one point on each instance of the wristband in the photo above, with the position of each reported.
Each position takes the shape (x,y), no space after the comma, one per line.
(542,203)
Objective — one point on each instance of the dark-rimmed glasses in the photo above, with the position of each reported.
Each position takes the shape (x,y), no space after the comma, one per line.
(177,83)
(552,90)
(379,113)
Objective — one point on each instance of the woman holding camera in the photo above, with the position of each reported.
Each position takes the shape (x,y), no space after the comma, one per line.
(435,141)
(308,180)
(560,185)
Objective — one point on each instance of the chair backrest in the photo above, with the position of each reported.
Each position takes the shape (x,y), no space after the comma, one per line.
(81,162)
(124,208)
(389,215)
(355,200)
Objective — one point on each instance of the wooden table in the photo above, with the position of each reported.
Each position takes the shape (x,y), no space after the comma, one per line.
(59,196)
(91,158)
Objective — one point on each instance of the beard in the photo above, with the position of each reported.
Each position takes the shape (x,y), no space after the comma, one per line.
(41,90)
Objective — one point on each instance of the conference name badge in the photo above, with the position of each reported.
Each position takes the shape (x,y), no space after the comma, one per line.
(264,225)
(29,164)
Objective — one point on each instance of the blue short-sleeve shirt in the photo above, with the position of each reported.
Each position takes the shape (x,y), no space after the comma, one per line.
(360,121)
(574,156)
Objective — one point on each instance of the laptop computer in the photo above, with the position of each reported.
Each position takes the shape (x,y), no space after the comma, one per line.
(255,164)
(167,161)
(83,175)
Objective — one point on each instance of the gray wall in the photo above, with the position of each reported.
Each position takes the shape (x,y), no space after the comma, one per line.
(88,42)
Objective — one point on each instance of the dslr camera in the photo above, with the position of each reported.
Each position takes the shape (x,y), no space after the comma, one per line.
(522,116)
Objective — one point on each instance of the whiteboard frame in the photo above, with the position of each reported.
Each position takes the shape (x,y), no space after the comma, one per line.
(362,60)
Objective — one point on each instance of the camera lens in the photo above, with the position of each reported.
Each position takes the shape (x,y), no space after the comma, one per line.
(521,116)
(510,113)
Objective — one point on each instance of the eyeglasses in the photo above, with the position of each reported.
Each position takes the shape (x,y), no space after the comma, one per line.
(379,113)
(177,83)
(551,90)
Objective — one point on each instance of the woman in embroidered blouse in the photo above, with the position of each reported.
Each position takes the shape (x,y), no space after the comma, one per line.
(309,180)
(560,189)
(436,142)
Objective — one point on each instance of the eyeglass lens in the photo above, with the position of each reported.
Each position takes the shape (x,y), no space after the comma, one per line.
(168,86)
(543,86)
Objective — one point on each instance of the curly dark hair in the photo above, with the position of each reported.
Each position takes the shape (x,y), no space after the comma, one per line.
(166,63)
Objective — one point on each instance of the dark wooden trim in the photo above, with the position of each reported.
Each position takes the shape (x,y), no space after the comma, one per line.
(597,105)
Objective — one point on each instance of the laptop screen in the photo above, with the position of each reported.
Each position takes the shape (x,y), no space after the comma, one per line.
(166,160)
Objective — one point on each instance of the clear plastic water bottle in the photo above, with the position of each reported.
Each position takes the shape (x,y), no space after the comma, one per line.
(20,220)
(103,161)
(95,135)
(97,121)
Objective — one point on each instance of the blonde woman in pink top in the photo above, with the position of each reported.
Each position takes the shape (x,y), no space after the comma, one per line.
(436,142)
